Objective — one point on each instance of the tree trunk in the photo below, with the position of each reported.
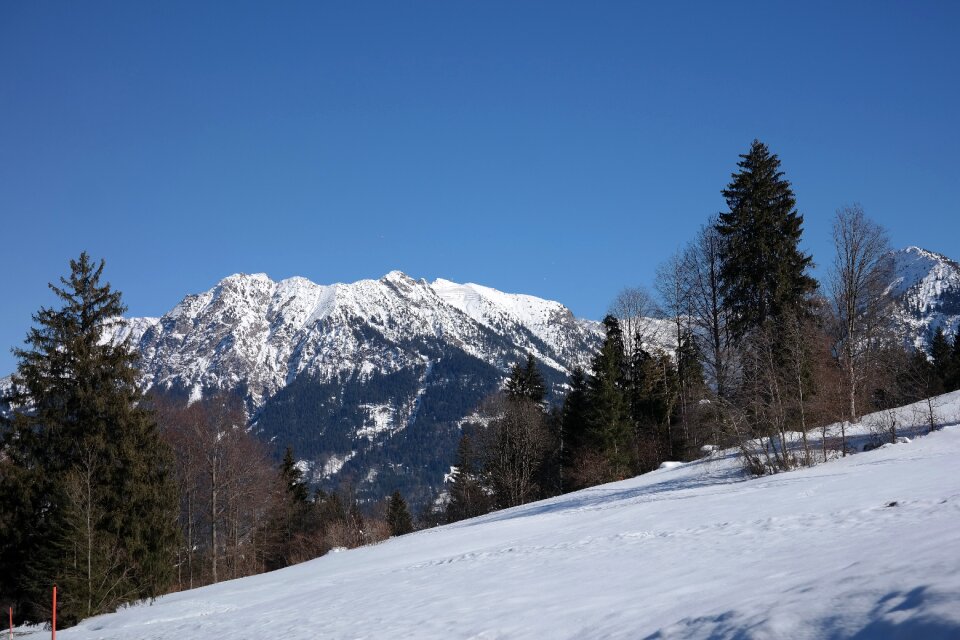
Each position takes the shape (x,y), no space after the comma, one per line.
(213,522)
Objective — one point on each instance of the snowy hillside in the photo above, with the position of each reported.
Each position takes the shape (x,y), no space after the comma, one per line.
(927,285)
(865,547)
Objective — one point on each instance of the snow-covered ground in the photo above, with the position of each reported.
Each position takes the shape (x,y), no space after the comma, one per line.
(864,547)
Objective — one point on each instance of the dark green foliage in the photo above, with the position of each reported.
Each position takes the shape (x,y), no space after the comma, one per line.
(574,425)
(690,389)
(292,479)
(398,517)
(293,520)
(468,495)
(952,382)
(763,272)
(920,379)
(654,396)
(527,382)
(609,406)
(941,356)
(97,506)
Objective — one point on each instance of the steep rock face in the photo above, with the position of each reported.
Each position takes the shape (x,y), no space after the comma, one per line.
(927,288)
(368,381)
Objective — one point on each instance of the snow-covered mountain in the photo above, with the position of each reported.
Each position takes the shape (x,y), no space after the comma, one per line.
(366,381)
(927,287)
(249,330)
(865,547)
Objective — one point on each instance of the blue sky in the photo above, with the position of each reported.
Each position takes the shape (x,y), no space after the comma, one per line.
(558,149)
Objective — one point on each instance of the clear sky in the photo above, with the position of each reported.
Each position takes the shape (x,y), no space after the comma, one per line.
(558,149)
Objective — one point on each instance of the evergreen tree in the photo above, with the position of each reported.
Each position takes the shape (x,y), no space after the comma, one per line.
(574,423)
(953,377)
(398,517)
(691,385)
(654,392)
(941,356)
(98,516)
(919,379)
(609,418)
(292,519)
(527,382)
(763,272)
(468,496)
(292,478)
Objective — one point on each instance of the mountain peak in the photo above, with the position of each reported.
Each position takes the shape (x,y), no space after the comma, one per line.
(247,277)
(397,276)
(927,287)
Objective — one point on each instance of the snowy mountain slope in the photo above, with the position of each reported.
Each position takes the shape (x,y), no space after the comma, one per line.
(927,286)
(370,378)
(865,547)
(249,329)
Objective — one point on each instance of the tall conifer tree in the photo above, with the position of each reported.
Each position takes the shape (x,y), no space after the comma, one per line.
(99,515)
(574,417)
(953,377)
(763,272)
(527,382)
(468,495)
(398,516)
(609,418)
(941,356)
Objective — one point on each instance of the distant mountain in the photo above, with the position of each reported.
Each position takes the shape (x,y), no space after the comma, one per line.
(927,288)
(369,381)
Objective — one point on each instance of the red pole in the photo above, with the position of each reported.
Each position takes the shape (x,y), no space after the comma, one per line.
(54,612)
(11,623)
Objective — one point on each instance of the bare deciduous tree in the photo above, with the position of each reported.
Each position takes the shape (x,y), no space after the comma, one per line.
(635,310)
(708,315)
(227,483)
(861,273)
(516,444)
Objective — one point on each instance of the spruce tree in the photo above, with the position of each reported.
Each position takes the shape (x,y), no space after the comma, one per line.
(291,518)
(654,392)
(953,377)
(527,382)
(468,496)
(574,418)
(941,355)
(763,272)
(292,478)
(398,516)
(609,419)
(98,516)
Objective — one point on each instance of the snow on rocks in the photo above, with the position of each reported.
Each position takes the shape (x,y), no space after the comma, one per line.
(262,334)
